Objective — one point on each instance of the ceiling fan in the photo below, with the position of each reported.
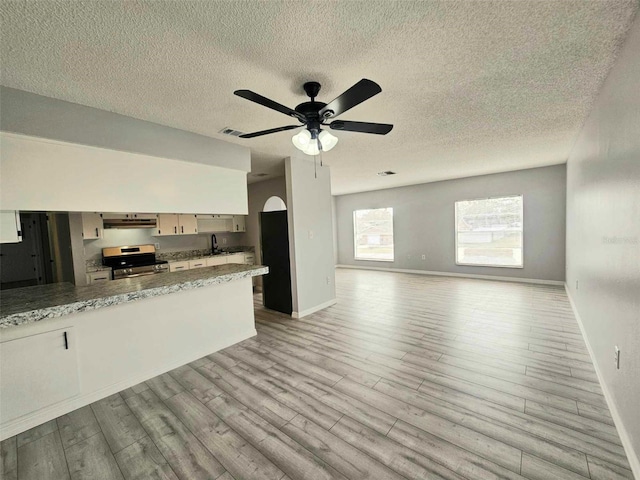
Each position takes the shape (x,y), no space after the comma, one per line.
(314,115)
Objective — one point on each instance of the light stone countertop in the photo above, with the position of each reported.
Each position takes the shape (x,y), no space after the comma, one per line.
(32,304)
(198,257)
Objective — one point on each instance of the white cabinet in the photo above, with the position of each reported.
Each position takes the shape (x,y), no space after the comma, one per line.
(92,226)
(10,230)
(129,216)
(37,371)
(219,260)
(174,224)
(188,224)
(97,277)
(197,263)
(214,223)
(235,258)
(239,223)
(178,266)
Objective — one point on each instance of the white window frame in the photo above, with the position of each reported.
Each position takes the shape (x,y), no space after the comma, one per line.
(355,238)
(455,232)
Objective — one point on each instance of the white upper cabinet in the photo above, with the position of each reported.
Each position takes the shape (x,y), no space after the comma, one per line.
(239,223)
(167,224)
(92,226)
(10,230)
(129,216)
(174,224)
(188,224)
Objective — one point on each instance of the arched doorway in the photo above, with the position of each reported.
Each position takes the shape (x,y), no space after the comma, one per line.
(274,204)
(274,239)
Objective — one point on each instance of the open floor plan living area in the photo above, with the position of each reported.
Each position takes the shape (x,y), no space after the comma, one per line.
(429,270)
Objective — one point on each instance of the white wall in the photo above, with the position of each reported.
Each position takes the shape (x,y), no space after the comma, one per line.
(424,222)
(37,116)
(310,236)
(603,238)
(46,175)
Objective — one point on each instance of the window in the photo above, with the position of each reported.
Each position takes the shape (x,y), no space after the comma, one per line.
(373,234)
(489,232)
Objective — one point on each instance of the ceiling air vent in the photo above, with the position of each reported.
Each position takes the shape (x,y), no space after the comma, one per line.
(230,131)
(386,173)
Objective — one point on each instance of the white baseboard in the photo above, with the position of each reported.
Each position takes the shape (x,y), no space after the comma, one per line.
(31,420)
(464,275)
(315,309)
(632,455)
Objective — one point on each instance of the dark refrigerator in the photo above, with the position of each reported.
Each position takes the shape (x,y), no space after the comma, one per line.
(276,285)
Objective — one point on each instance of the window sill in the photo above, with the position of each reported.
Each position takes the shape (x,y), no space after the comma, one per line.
(373,260)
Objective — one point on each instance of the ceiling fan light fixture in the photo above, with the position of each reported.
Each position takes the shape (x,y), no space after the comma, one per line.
(301,139)
(312,148)
(327,140)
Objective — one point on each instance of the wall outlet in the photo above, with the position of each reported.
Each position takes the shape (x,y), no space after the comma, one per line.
(616,357)
(424,257)
(310,234)
(224,241)
(576,284)
(328,281)
(157,246)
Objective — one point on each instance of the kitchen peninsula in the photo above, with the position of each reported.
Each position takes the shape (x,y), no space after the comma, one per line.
(63,347)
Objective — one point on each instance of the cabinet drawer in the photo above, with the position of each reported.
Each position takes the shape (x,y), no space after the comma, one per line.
(96,277)
(216,261)
(249,258)
(197,263)
(178,266)
(236,258)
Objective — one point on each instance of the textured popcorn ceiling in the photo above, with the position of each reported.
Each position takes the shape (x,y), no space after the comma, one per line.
(472,87)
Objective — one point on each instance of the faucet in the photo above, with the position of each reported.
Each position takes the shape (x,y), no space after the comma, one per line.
(214,244)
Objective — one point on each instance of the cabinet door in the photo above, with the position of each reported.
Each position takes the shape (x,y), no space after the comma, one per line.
(92,226)
(10,230)
(37,371)
(213,261)
(178,266)
(167,224)
(188,224)
(239,224)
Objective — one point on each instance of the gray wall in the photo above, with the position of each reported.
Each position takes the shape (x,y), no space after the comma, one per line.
(603,237)
(424,222)
(38,116)
(310,234)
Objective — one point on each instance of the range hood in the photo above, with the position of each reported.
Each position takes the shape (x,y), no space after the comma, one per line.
(129,223)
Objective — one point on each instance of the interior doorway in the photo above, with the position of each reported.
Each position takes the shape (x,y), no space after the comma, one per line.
(274,241)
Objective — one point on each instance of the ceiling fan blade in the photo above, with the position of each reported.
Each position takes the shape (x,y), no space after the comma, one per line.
(363,127)
(361,91)
(264,101)
(271,130)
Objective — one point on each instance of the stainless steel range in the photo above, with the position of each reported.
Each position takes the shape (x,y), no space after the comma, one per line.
(133,261)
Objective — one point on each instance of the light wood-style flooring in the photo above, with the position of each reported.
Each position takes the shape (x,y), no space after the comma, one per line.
(407,377)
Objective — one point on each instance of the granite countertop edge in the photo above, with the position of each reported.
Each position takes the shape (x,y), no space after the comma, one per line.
(32,316)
